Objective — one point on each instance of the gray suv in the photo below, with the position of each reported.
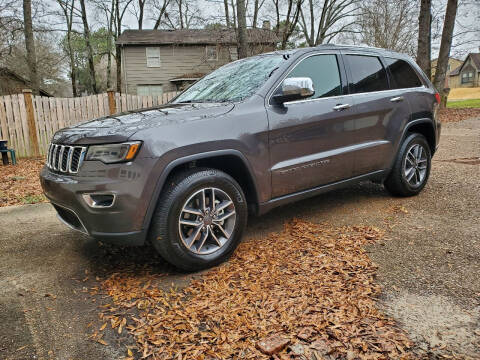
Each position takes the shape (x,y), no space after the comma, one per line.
(254,134)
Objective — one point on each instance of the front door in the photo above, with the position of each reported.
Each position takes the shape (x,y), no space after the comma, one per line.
(311,140)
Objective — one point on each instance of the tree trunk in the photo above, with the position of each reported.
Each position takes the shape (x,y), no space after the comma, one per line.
(227,16)
(109,42)
(86,35)
(30,45)
(255,14)
(445,45)
(118,58)
(424,31)
(242,30)
(180,13)
(141,6)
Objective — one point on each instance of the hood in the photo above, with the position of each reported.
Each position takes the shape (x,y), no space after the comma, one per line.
(121,127)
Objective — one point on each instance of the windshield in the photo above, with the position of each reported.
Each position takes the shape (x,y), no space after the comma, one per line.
(233,82)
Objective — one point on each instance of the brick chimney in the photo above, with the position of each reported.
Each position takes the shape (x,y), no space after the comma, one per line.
(266,25)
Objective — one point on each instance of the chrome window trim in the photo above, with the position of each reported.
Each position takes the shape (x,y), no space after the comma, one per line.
(346,95)
(55,163)
(60,158)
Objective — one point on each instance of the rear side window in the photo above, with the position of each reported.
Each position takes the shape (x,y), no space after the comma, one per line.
(367,73)
(403,76)
(323,70)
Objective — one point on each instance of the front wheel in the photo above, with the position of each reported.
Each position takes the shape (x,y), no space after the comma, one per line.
(199,219)
(411,168)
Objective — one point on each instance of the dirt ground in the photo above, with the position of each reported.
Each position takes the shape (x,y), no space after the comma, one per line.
(428,262)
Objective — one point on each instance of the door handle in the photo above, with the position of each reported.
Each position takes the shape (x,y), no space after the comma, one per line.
(341,107)
(397,99)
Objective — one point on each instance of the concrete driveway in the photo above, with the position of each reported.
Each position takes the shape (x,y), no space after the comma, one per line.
(429,263)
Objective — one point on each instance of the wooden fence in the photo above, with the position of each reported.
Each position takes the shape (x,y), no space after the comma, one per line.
(28,122)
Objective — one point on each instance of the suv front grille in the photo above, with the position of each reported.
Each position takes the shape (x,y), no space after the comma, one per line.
(65,158)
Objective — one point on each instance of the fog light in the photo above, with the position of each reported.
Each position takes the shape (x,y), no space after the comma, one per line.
(99,200)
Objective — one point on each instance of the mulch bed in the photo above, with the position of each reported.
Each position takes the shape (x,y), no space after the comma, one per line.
(20,184)
(455,115)
(309,290)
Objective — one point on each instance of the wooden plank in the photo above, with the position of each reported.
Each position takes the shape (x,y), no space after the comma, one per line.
(88,101)
(71,111)
(3,120)
(53,114)
(118,103)
(40,122)
(149,101)
(15,142)
(59,108)
(28,122)
(124,103)
(17,120)
(144,102)
(47,116)
(101,111)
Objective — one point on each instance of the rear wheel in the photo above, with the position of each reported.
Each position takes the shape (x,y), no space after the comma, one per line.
(411,168)
(199,219)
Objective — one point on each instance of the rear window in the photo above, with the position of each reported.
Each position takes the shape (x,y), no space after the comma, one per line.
(367,73)
(403,76)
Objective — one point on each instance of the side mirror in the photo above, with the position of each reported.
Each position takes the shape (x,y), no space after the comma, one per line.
(292,89)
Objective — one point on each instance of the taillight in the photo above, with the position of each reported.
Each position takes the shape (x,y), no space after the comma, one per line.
(437,97)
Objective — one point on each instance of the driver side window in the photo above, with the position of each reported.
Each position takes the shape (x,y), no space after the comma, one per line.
(323,70)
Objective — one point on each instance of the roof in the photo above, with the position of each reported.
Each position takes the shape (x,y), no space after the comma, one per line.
(194,36)
(475,59)
(188,77)
(7,71)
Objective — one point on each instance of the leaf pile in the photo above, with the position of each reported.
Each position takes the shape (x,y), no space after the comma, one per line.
(455,115)
(20,184)
(313,284)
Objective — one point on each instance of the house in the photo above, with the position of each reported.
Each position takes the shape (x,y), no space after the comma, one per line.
(467,74)
(158,61)
(453,63)
(12,83)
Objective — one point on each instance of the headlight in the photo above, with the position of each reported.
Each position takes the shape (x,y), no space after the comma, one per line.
(113,153)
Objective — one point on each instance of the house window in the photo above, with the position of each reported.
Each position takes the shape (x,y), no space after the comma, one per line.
(153,56)
(467,77)
(211,53)
(149,90)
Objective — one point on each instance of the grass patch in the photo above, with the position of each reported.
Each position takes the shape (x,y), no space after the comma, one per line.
(33,199)
(472,103)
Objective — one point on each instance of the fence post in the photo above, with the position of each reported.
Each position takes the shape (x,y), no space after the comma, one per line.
(111,102)
(32,128)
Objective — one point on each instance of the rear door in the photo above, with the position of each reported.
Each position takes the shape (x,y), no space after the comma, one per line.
(310,140)
(380,112)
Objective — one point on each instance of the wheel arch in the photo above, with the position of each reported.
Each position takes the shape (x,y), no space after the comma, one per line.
(426,128)
(230,161)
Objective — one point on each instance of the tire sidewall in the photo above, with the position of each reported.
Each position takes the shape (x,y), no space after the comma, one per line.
(407,144)
(183,190)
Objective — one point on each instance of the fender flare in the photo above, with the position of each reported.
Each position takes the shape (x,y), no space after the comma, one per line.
(183,160)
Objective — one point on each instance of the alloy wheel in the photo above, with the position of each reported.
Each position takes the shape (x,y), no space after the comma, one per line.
(415,165)
(207,221)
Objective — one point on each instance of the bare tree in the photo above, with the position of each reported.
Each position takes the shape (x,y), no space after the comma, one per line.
(67,8)
(30,46)
(286,25)
(88,45)
(160,8)
(424,37)
(334,17)
(242,29)
(445,46)
(227,16)
(257,5)
(141,8)
(120,9)
(184,15)
(388,24)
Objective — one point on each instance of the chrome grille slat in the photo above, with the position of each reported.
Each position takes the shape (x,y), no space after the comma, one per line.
(65,158)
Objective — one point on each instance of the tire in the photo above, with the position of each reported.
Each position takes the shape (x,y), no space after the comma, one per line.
(400,181)
(192,241)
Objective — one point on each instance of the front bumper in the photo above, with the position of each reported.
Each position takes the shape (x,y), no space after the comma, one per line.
(121,223)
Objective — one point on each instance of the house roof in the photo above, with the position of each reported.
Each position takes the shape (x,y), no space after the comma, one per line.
(475,59)
(188,77)
(194,36)
(7,71)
